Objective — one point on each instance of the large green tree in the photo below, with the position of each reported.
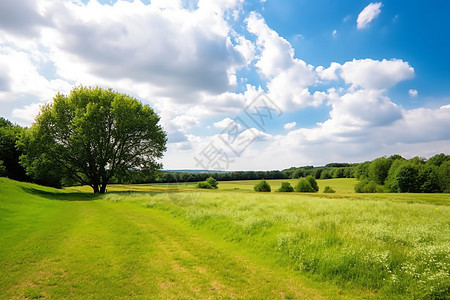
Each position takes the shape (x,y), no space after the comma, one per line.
(92,135)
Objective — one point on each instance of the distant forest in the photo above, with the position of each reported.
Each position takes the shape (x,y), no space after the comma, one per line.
(383,174)
(333,170)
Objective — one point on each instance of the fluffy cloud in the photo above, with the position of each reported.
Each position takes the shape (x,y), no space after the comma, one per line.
(177,52)
(413,93)
(21,17)
(330,73)
(290,125)
(227,122)
(419,125)
(369,73)
(368,14)
(27,113)
(289,76)
(20,77)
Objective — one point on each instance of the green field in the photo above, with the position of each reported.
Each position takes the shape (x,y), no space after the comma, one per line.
(174,241)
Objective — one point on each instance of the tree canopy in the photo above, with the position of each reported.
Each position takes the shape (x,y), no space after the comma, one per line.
(92,135)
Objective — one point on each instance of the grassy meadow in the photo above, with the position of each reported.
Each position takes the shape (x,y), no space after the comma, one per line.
(175,241)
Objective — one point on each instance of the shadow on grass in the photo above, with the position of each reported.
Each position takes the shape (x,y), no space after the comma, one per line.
(76,196)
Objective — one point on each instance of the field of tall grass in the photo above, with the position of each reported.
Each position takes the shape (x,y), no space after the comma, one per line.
(166,241)
(397,248)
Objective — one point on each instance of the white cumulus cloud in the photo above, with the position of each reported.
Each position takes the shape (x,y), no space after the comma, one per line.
(368,14)
(290,125)
(413,93)
(369,73)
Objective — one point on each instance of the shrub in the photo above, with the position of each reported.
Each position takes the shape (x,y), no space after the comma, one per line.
(285,187)
(262,186)
(204,185)
(304,186)
(368,186)
(214,183)
(328,189)
(312,181)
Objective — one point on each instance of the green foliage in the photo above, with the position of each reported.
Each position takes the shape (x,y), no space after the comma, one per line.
(262,186)
(438,159)
(297,173)
(328,189)
(93,135)
(338,173)
(214,183)
(391,183)
(428,179)
(285,187)
(407,178)
(9,154)
(444,176)
(417,160)
(416,175)
(362,170)
(304,186)
(204,185)
(368,186)
(41,168)
(312,181)
(326,174)
(379,169)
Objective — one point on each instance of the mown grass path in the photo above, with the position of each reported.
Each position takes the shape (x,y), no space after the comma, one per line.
(85,248)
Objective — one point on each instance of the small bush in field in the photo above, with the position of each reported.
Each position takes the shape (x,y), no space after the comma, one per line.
(304,186)
(204,185)
(328,189)
(312,181)
(285,187)
(368,186)
(213,182)
(262,186)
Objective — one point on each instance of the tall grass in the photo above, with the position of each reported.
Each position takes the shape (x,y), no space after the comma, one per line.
(398,249)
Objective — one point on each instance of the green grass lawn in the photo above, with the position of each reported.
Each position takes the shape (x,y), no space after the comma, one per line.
(159,241)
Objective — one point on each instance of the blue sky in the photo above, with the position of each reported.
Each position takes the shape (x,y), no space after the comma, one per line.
(343,81)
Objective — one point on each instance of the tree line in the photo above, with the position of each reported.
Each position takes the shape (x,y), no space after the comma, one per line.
(396,174)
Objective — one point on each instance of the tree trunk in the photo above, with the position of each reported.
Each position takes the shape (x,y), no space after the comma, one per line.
(95,188)
(103,188)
